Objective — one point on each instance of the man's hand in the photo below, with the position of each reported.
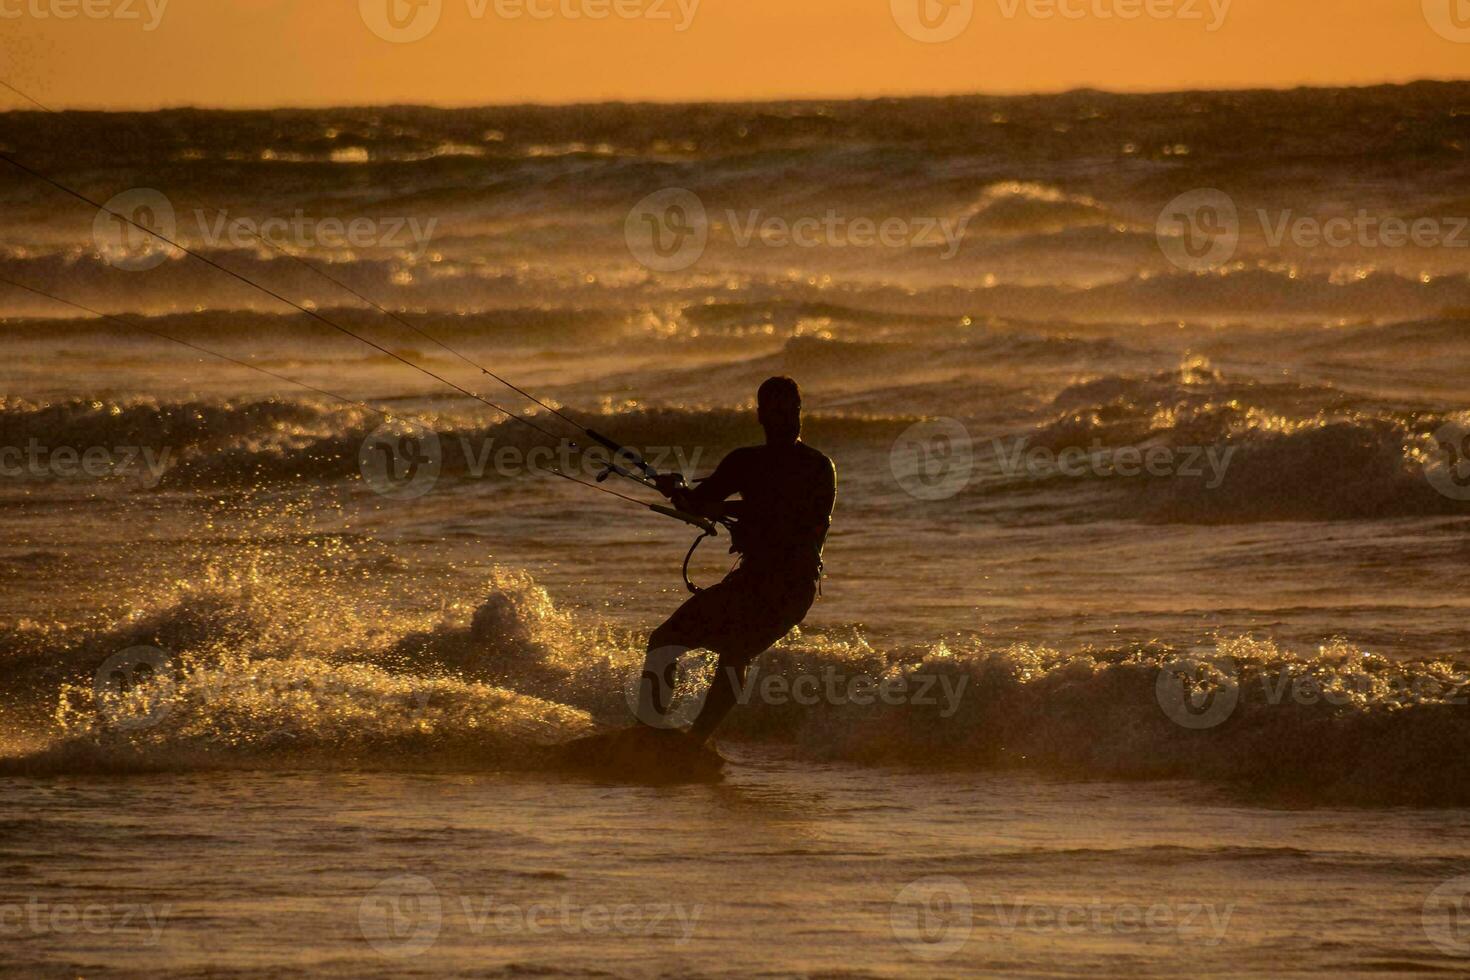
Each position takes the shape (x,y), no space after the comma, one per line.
(669,484)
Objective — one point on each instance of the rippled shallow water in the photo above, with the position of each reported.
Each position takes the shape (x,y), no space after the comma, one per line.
(784,868)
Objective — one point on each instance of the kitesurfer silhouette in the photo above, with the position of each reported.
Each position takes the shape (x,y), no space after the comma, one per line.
(787,490)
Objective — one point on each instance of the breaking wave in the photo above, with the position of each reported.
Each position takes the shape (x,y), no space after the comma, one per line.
(1235,452)
(253,673)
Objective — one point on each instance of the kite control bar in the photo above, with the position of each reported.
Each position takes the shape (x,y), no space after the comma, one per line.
(709,527)
(644,474)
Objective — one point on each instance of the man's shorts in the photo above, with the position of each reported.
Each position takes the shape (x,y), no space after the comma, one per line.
(740,617)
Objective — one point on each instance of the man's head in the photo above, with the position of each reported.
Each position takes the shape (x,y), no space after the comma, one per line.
(778,406)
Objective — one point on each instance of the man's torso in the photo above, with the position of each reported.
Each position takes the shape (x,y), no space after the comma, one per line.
(785,510)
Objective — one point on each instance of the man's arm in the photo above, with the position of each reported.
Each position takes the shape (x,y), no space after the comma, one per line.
(707,499)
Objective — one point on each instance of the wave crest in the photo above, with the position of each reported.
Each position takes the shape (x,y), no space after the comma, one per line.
(1280,451)
(493,685)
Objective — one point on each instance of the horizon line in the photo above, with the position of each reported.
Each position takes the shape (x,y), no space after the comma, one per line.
(771,100)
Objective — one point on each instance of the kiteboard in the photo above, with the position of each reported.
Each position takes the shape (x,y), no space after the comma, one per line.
(644,755)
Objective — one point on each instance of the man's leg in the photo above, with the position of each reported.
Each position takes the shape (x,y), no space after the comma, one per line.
(660,675)
(738,648)
(731,619)
(724,692)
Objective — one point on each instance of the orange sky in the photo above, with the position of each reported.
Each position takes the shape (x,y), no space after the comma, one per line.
(323,52)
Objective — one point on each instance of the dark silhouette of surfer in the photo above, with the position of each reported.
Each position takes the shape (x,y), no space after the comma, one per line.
(787,490)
